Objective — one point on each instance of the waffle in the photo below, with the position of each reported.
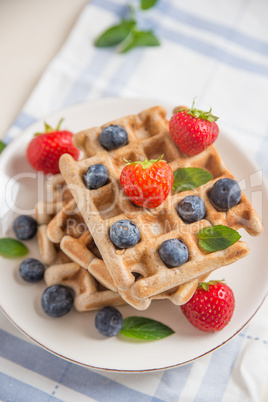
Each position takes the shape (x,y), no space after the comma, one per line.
(68,229)
(57,195)
(50,252)
(148,137)
(80,248)
(88,293)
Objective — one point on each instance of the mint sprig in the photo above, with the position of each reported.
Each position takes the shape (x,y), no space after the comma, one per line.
(2,146)
(115,34)
(146,4)
(145,328)
(12,248)
(216,238)
(127,33)
(139,39)
(189,178)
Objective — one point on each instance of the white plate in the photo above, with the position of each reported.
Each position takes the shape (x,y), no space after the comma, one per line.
(74,336)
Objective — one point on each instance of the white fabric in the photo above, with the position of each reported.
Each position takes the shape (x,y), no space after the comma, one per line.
(215,50)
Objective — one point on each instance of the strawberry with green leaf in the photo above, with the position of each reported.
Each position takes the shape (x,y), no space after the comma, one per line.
(211,307)
(45,149)
(147,183)
(193,130)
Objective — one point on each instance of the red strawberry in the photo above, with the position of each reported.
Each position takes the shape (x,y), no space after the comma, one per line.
(193,130)
(45,149)
(211,307)
(147,183)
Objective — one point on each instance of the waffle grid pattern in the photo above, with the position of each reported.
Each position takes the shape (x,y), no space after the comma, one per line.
(148,134)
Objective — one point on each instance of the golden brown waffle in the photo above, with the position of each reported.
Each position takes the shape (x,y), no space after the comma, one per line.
(57,195)
(68,229)
(88,293)
(81,249)
(49,251)
(149,137)
(68,221)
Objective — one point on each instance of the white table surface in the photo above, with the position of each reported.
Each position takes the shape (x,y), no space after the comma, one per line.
(31,32)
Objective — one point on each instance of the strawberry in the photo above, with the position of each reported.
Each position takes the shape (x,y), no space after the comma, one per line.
(193,130)
(45,149)
(147,183)
(211,307)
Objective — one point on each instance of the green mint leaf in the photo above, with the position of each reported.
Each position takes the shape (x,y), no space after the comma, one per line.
(115,34)
(2,146)
(189,178)
(139,38)
(215,238)
(12,248)
(144,328)
(145,4)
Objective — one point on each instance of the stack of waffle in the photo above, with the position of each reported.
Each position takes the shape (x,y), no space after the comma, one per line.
(74,232)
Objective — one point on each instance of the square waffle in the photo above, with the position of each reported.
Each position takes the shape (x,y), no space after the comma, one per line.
(68,230)
(79,246)
(89,294)
(149,137)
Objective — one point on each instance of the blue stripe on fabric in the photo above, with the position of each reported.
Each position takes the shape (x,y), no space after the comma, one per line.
(78,378)
(88,76)
(179,15)
(213,51)
(24,120)
(219,371)
(172,383)
(121,10)
(123,74)
(98,63)
(13,390)
(31,356)
(101,388)
(254,338)
(232,34)
(197,45)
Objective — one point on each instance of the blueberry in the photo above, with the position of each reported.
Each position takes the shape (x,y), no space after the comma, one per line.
(173,253)
(96,176)
(25,227)
(57,300)
(108,321)
(32,270)
(225,194)
(124,234)
(113,137)
(191,208)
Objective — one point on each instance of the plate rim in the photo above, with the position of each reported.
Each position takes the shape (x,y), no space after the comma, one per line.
(135,100)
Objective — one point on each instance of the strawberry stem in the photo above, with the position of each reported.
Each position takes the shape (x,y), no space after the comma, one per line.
(145,163)
(49,129)
(201,114)
(205,285)
(59,124)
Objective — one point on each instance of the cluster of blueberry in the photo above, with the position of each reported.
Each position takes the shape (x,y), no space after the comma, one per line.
(225,194)
(56,300)
(111,137)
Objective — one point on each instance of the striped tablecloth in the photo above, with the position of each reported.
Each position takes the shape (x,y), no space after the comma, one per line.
(215,50)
